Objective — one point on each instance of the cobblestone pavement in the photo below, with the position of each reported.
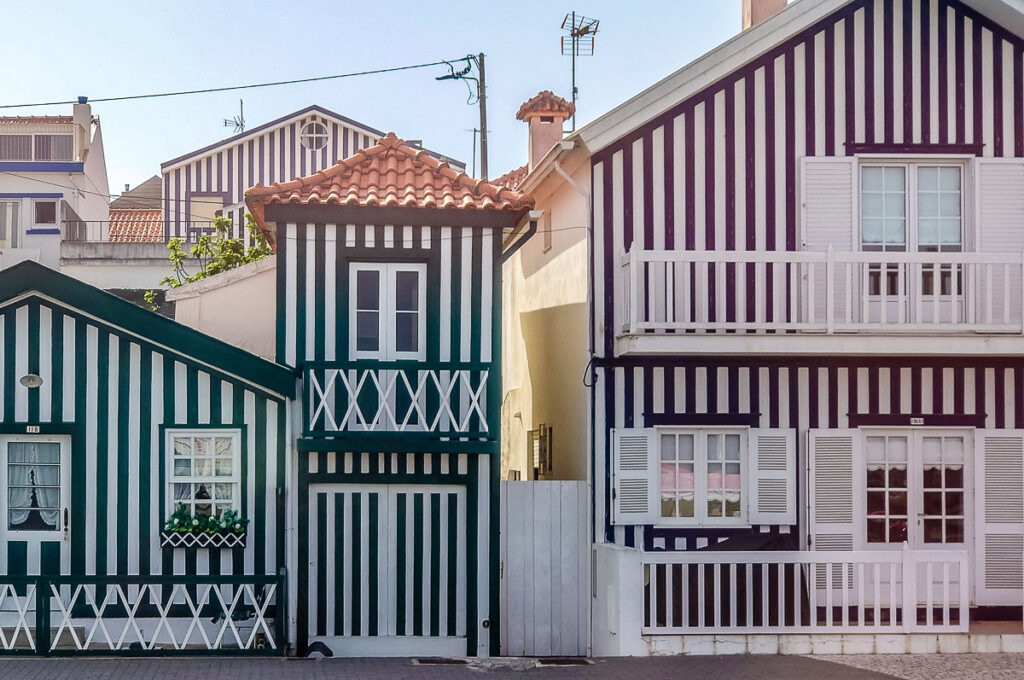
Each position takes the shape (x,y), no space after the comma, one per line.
(661,668)
(938,666)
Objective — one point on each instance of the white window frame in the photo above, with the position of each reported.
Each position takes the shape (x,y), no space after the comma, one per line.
(56,212)
(911,166)
(236,471)
(307,135)
(386,349)
(700,506)
(65,486)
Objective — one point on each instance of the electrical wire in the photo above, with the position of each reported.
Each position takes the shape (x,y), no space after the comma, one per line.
(250,86)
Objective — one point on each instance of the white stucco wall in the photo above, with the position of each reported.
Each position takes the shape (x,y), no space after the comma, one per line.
(238,306)
(115,265)
(544,326)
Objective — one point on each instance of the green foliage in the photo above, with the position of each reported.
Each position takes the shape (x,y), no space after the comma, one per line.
(230,522)
(212,254)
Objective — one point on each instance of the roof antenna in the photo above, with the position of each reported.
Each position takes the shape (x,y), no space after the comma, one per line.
(238,122)
(579,41)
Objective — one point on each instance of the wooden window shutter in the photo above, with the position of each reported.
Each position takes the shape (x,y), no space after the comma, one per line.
(772,476)
(999,211)
(635,476)
(836,489)
(999,511)
(829,202)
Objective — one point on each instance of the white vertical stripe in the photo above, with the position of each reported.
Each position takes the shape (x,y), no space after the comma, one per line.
(779,139)
(250,456)
(484,542)
(838,86)
(905,380)
(156,405)
(884,393)
(987,85)
(760,164)
(327,558)
(658,390)
(699,178)
(486,295)
(969,75)
(91,420)
(784,415)
(927,390)
(765,397)
(858,76)
(657,181)
(69,369)
(637,179)
(700,388)
(843,397)
(679,376)
(289,291)
(310,277)
(1009,126)
(203,397)
(21,341)
(46,363)
(990,397)
(722,389)
(915,72)
(933,71)
(274,445)
(970,402)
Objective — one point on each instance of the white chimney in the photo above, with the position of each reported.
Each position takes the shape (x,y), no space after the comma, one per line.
(81,117)
(756,11)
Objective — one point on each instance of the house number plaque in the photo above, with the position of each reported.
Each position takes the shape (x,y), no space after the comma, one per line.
(32,429)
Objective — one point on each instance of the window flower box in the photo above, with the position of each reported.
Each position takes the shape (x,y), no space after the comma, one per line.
(182,530)
(192,539)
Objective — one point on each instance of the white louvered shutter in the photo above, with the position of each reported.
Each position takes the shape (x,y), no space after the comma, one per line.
(635,481)
(836,489)
(999,210)
(772,476)
(999,503)
(828,208)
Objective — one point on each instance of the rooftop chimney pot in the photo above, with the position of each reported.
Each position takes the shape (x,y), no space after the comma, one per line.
(756,11)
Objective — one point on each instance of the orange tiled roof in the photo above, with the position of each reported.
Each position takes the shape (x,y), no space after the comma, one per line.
(391,174)
(136,226)
(23,120)
(513,178)
(545,103)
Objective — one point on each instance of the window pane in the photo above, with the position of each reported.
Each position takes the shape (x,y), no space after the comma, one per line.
(895,179)
(949,179)
(406,332)
(224,467)
(928,179)
(873,230)
(367,332)
(15,147)
(895,232)
(895,205)
(668,447)
(928,204)
(873,205)
(53,147)
(202,446)
(685,443)
(713,452)
(949,232)
(949,204)
(182,467)
(897,448)
(928,232)
(732,447)
(46,212)
(182,446)
(871,179)
(202,467)
(367,289)
(33,452)
(407,291)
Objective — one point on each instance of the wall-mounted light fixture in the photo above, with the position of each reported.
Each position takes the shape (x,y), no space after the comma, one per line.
(31,381)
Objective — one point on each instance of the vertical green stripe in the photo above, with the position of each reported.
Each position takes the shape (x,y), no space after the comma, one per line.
(435,296)
(103,502)
(417,564)
(373,598)
(453,561)
(78,452)
(168,555)
(238,420)
(357,556)
(124,414)
(145,458)
(476,306)
(321,564)
(339,563)
(400,572)
(456,294)
(10,345)
(435,564)
(300,293)
(215,556)
(258,532)
(56,376)
(282,452)
(192,416)
(33,359)
(341,296)
(17,558)
(49,558)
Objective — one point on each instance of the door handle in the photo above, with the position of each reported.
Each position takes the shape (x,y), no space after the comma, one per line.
(67,521)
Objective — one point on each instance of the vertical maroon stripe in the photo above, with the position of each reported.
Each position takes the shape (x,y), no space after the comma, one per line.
(711,388)
(1018,398)
(773,396)
(830,88)
(790,153)
(648,185)
(733,396)
(869,72)
(670,174)
(690,381)
(668,387)
(750,200)
(794,397)
(809,104)
(769,154)
(943,54)
(833,396)
(873,389)
(908,73)
(937,388)
(281,156)
(691,226)
(926,73)
(220,169)
(895,405)
(812,397)
(959,49)
(627,197)
(978,94)
(1018,101)
(888,77)
(755,393)
(958,389)
(999,388)
(851,391)
(261,172)
(270,158)
(997,95)
(851,74)
(628,397)
(915,389)
(979,390)
(709,200)
(334,143)
(730,196)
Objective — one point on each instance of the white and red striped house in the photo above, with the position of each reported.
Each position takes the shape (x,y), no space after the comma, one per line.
(807,309)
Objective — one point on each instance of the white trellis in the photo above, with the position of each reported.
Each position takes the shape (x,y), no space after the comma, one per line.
(17,617)
(387,400)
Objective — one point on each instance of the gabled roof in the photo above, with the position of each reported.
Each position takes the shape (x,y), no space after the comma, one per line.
(545,103)
(136,225)
(146,195)
(513,178)
(252,132)
(390,174)
(28,277)
(745,47)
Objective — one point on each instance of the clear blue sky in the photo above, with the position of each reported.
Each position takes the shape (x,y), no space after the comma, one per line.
(61,49)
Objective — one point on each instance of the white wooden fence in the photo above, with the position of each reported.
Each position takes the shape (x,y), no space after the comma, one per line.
(822,291)
(895,591)
(545,569)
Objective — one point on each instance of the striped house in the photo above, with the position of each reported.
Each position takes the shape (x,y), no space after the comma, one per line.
(211,181)
(807,305)
(111,417)
(388,280)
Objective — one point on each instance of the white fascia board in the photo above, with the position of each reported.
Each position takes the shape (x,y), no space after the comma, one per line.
(546,167)
(706,70)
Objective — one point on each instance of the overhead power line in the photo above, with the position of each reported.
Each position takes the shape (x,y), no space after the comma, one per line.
(251,86)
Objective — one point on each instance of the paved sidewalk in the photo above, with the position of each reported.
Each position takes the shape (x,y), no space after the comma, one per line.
(661,668)
(939,666)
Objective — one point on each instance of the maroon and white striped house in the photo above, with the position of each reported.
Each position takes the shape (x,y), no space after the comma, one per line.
(808,328)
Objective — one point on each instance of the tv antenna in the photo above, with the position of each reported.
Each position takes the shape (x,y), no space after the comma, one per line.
(578,41)
(238,122)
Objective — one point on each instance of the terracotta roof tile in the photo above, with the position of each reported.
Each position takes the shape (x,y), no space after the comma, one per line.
(34,120)
(513,178)
(390,174)
(545,103)
(136,226)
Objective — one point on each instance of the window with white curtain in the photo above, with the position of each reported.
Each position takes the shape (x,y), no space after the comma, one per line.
(33,486)
(703,475)
(204,469)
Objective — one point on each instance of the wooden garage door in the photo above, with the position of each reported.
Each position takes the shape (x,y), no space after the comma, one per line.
(387,569)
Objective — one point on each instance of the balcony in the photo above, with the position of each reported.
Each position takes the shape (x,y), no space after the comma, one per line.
(799,293)
(408,397)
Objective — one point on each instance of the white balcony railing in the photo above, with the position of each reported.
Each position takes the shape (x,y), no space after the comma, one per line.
(882,591)
(821,292)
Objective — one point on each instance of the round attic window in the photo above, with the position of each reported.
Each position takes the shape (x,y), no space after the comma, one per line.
(313,135)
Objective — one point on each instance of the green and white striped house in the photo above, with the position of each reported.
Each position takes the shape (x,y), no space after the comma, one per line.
(110,417)
(388,304)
